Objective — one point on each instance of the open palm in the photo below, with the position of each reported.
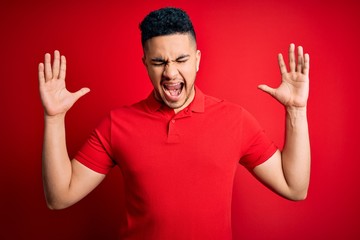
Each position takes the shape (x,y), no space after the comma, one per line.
(294,88)
(55,97)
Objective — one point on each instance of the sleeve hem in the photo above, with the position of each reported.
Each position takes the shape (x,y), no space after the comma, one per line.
(91,165)
(263,158)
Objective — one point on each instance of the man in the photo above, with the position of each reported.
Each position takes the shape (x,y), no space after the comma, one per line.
(178,149)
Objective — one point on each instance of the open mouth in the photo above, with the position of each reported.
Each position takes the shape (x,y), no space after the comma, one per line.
(173,90)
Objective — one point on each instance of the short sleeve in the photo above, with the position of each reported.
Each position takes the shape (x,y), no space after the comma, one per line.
(257,147)
(96,153)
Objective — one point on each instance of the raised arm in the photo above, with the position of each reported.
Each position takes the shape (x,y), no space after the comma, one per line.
(65,182)
(288,172)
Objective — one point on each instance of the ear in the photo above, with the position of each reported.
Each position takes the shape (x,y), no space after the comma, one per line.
(198,57)
(144,60)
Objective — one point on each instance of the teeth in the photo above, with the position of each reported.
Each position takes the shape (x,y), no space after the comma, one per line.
(174,89)
(172,86)
(174,92)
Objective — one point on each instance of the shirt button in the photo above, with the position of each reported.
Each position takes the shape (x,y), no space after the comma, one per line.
(173,121)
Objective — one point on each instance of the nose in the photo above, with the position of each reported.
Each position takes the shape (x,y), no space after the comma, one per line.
(170,71)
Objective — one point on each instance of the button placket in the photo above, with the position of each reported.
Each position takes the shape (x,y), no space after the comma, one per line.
(173,135)
(173,131)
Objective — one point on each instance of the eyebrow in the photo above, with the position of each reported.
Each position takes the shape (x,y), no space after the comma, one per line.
(158,59)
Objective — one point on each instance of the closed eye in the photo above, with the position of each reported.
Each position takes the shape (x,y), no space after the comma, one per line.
(162,62)
(182,58)
(158,62)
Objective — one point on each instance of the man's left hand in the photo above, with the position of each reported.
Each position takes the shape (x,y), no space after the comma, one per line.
(293,91)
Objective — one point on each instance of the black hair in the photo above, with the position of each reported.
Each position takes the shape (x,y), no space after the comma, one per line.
(165,21)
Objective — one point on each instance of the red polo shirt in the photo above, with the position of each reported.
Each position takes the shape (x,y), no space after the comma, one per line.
(178,169)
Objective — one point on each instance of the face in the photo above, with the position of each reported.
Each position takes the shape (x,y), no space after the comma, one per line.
(172,62)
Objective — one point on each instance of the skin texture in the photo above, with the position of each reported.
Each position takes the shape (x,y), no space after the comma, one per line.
(288,172)
(65,182)
(172,61)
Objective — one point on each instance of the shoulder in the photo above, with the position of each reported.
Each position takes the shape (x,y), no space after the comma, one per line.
(129,109)
(228,112)
(136,113)
(222,105)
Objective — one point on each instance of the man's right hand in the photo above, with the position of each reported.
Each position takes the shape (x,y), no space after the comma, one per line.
(65,181)
(56,99)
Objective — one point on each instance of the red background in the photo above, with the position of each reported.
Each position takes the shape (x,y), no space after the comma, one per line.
(239,41)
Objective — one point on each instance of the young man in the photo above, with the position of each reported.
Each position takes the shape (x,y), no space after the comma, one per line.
(178,149)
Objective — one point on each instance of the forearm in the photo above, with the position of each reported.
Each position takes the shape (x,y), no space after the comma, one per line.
(296,152)
(56,163)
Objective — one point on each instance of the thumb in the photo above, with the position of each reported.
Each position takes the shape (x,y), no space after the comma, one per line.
(267,89)
(81,93)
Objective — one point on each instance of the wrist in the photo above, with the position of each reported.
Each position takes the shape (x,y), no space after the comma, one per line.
(292,109)
(54,118)
(296,116)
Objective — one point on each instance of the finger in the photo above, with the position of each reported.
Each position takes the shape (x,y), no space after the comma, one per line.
(48,70)
(62,73)
(292,62)
(300,63)
(56,64)
(306,67)
(282,65)
(41,73)
(81,93)
(267,89)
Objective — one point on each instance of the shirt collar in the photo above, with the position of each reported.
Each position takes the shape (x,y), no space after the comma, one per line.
(197,105)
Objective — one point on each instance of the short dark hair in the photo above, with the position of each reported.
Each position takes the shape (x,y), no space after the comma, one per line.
(165,21)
